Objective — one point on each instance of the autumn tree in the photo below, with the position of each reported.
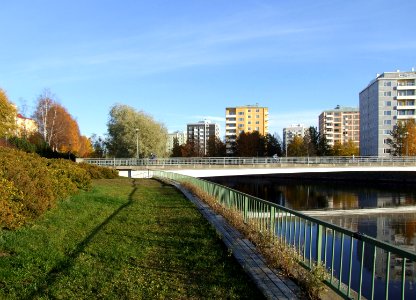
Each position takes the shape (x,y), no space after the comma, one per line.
(250,144)
(58,128)
(296,147)
(311,140)
(350,148)
(337,149)
(122,135)
(403,138)
(85,146)
(189,149)
(7,116)
(45,116)
(216,148)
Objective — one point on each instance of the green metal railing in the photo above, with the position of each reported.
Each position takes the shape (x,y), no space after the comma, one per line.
(358,265)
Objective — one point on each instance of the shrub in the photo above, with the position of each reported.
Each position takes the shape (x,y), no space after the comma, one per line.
(65,169)
(30,185)
(97,172)
(10,205)
(31,177)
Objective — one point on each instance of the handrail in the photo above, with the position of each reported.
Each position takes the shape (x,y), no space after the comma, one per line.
(317,241)
(228,161)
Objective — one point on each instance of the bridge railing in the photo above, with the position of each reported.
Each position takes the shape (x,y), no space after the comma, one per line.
(359,265)
(229,161)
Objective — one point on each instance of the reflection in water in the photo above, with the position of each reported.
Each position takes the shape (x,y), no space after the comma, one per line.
(397,229)
(314,194)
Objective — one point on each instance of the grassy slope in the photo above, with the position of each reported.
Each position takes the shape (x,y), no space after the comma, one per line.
(120,241)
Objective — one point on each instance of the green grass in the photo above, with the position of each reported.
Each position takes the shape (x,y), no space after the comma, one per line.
(122,240)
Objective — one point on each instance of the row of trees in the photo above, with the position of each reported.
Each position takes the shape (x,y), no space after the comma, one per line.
(254,144)
(316,144)
(57,131)
(129,131)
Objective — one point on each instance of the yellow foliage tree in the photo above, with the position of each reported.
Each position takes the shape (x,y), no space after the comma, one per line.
(7,116)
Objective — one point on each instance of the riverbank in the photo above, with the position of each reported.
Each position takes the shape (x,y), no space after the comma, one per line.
(131,239)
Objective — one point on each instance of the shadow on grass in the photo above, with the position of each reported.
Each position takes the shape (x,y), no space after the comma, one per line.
(68,263)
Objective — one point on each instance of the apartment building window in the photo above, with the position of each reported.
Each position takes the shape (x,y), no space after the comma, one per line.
(240,119)
(387,151)
(249,128)
(387,122)
(387,83)
(257,128)
(257,122)
(387,94)
(257,110)
(387,112)
(410,112)
(387,141)
(387,131)
(249,117)
(240,125)
(249,110)
(241,113)
(406,93)
(249,122)
(387,103)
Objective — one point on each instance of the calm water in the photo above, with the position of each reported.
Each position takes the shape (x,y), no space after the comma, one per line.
(307,195)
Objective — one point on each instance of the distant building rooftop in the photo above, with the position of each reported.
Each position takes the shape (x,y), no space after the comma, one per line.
(343,109)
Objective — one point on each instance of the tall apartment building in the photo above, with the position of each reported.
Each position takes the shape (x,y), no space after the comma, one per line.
(340,124)
(291,131)
(180,135)
(387,99)
(200,133)
(247,118)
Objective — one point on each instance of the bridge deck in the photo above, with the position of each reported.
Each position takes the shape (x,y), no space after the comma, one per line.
(273,284)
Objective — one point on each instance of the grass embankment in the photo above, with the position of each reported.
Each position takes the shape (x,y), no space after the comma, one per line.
(120,241)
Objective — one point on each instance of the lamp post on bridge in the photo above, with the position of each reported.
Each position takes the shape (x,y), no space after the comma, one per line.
(137,143)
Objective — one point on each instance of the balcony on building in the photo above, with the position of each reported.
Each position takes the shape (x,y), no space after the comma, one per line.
(405,97)
(406,85)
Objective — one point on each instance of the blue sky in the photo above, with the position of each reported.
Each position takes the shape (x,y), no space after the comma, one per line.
(184,61)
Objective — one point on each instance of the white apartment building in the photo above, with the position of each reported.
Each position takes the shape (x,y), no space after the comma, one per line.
(340,124)
(180,135)
(291,131)
(387,99)
(200,133)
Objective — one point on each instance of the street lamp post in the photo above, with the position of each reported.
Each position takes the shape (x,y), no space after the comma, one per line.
(137,143)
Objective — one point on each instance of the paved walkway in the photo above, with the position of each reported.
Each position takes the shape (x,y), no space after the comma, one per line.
(269,281)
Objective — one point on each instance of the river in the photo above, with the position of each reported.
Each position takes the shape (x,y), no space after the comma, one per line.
(384,211)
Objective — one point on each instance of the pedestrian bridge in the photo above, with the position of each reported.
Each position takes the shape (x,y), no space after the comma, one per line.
(366,168)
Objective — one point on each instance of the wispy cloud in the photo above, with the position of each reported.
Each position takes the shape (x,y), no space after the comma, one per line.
(243,37)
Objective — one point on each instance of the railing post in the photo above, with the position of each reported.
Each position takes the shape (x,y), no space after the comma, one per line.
(272,220)
(319,230)
(245,209)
